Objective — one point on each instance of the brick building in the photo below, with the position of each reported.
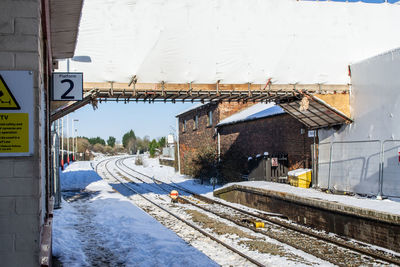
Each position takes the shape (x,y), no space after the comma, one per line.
(266,128)
(197,129)
(234,132)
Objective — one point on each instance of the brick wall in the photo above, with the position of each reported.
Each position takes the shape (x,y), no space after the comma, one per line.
(191,139)
(21,178)
(276,134)
(204,137)
(226,109)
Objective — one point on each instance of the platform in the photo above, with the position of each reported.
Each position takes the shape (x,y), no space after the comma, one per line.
(369,220)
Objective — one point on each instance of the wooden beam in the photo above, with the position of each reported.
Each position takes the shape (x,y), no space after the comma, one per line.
(324,88)
(76,105)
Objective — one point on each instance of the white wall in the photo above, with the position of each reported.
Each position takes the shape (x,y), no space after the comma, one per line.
(375,108)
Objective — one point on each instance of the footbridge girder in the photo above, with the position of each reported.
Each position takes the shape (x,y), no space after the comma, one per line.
(315,105)
(191,92)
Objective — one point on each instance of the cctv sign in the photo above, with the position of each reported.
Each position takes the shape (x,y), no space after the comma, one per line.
(67,86)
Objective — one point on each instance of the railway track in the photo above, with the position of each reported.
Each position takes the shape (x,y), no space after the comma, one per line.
(276,226)
(248,258)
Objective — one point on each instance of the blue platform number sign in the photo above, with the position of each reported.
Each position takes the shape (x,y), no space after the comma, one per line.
(67,86)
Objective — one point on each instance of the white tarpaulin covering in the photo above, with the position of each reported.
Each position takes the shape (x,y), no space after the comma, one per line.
(235,41)
(373,139)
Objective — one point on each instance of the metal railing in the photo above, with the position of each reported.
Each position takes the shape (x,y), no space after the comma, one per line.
(370,167)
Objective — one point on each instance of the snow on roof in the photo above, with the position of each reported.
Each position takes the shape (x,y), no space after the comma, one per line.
(254,112)
(195,106)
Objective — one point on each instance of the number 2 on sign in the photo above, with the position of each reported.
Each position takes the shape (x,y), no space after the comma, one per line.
(71,86)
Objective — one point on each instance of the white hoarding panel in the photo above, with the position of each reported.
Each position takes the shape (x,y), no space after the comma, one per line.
(391,168)
(375,102)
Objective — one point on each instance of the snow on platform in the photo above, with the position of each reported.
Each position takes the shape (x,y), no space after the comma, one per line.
(102,226)
(386,205)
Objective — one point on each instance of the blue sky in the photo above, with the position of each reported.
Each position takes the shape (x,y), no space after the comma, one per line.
(115,119)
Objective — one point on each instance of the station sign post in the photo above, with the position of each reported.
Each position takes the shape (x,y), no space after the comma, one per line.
(16,113)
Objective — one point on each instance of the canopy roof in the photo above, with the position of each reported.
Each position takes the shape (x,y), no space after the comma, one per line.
(64,16)
(236,41)
(314,112)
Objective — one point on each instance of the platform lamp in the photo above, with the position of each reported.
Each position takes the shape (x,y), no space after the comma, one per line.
(68,139)
(85,59)
(62,143)
(74,148)
(72,140)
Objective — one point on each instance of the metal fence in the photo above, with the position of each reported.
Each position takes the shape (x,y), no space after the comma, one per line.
(390,167)
(272,168)
(168,152)
(365,167)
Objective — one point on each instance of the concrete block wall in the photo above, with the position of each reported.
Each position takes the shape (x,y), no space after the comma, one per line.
(21,178)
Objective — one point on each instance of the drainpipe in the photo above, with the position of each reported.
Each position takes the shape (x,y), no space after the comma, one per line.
(219,146)
(330,165)
(62,143)
(177,143)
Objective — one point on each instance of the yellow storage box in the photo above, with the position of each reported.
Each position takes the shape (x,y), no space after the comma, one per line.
(300,178)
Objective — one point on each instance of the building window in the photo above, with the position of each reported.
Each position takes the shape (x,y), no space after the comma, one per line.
(196,122)
(210,113)
(184,126)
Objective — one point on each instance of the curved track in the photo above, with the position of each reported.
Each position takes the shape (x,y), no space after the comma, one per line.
(178,217)
(273,221)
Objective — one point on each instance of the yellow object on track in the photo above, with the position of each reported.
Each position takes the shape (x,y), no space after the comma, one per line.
(258,224)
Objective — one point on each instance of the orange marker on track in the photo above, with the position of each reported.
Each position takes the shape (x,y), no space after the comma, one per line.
(174,194)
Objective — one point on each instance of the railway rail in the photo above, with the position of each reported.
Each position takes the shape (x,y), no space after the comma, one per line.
(250,259)
(276,224)
(272,218)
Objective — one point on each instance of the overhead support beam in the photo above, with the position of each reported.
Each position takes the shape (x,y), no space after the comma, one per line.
(208,92)
(61,112)
(183,87)
(314,114)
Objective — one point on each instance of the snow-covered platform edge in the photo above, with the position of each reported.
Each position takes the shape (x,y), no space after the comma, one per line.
(381,210)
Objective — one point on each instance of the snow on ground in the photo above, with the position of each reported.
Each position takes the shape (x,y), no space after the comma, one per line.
(386,205)
(100,227)
(151,167)
(77,176)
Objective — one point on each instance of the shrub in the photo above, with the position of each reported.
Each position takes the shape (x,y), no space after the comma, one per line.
(139,160)
(98,148)
(201,163)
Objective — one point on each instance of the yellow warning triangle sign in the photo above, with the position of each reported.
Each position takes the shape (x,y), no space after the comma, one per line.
(7,100)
